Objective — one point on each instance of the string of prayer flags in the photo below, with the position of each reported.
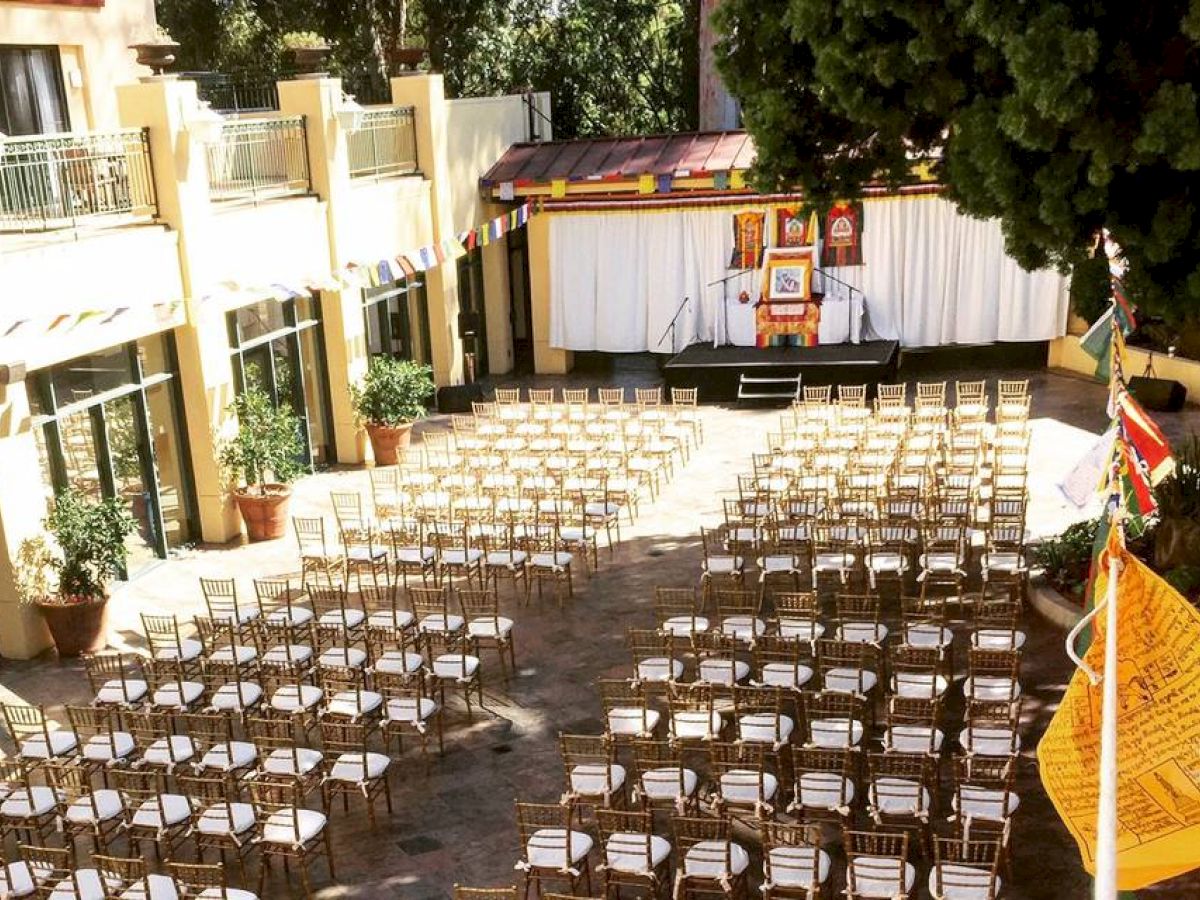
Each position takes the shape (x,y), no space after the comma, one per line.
(645,184)
(664,184)
(558,188)
(737,180)
(721,181)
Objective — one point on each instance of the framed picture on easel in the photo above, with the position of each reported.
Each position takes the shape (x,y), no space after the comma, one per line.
(787,273)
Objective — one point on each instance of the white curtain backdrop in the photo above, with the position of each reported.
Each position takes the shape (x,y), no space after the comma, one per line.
(931,277)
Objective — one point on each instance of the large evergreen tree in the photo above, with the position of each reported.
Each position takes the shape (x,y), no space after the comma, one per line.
(1059,117)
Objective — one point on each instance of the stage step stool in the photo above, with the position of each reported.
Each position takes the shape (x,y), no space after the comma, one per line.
(751,388)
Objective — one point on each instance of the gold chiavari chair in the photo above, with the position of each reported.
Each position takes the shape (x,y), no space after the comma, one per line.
(711,861)
(317,558)
(794,865)
(550,848)
(288,831)
(877,865)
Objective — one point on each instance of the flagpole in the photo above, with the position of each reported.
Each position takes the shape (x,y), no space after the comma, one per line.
(1106,812)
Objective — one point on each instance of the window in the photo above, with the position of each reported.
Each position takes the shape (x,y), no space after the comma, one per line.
(397,320)
(471,308)
(32,100)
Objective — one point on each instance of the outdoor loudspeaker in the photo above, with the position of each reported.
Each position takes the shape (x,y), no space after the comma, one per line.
(1158,394)
(458,398)
(468,324)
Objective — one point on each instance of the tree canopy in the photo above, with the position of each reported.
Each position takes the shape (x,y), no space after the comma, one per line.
(1058,117)
(612,66)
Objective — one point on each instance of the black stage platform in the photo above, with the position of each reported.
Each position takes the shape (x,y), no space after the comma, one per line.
(716,370)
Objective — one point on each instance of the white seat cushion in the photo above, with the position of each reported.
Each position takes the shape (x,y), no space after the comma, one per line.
(801,629)
(407,710)
(458,666)
(921,685)
(991,687)
(987,804)
(285,761)
(850,681)
(20,879)
(396,662)
(58,743)
(226,819)
(998,639)
(175,808)
(507,559)
(742,786)
(293,827)
(722,671)
(798,867)
(170,751)
(928,634)
(441,623)
(833,562)
(188,649)
(288,654)
(765,728)
(682,626)
(666,783)
(290,615)
(913,739)
(941,562)
(659,668)
(342,618)
(229,755)
(391,618)
(414,556)
(103,805)
(723,565)
(786,675)
(987,741)
(489,627)
(357,768)
(707,859)
(556,561)
(880,878)
(696,724)
(122,693)
(22,804)
(216,893)
(343,658)
(885,561)
(233,653)
(84,884)
(598,509)
(177,694)
(236,696)
(460,557)
(360,554)
(627,721)
(294,697)
(898,796)
(354,704)
(547,848)
(744,628)
(835,732)
(595,780)
(962,882)
(824,790)
(774,565)
(863,632)
(106,747)
(629,852)
(1009,563)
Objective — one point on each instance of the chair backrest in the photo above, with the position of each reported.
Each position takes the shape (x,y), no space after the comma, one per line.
(104,667)
(891,395)
(876,857)
(24,722)
(53,862)
(507,395)
(162,633)
(684,396)
(540,817)
(692,830)
(276,591)
(469,893)
(310,537)
(965,868)
(271,795)
(626,833)
(852,395)
(611,396)
(220,596)
(202,878)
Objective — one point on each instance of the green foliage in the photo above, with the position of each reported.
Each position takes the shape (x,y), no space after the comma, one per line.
(393,391)
(31,569)
(612,66)
(1185,579)
(91,539)
(1178,495)
(1091,289)
(268,440)
(1066,558)
(302,40)
(1059,118)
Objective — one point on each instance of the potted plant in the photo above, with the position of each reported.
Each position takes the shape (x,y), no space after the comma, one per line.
(90,538)
(262,457)
(390,398)
(157,50)
(408,57)
(308,51)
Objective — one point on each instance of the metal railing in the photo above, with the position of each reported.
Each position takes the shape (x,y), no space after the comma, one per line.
(233,94)
(385,144)
(259,159)
(60,181)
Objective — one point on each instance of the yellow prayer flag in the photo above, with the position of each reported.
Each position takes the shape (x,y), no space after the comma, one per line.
(1158,733)
(558,188)
(737,180)
(645,184)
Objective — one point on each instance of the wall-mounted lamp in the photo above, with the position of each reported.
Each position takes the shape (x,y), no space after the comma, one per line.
(350,114)
(205,126)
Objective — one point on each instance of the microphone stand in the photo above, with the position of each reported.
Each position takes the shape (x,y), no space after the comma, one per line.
(724,283)
(670,329)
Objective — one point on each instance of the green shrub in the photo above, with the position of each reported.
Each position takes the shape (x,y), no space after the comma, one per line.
(91,541)
(393,392)
(1066,558)
(268,440)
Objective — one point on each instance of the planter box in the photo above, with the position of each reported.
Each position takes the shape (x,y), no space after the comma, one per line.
(1053,606)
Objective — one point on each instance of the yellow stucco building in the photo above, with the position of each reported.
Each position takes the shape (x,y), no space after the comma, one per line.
(157,259)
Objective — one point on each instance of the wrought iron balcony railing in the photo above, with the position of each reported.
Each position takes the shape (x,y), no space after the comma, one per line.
(385,144)
(259,159)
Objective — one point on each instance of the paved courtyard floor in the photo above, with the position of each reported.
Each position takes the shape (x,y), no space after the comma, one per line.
(455,822)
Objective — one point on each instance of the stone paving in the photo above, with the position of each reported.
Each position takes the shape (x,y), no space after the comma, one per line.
(454,821)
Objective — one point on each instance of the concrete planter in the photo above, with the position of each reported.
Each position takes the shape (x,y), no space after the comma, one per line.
(1053,606)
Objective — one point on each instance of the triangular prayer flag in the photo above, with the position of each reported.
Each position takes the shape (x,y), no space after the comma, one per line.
(645,184)
(663,184)
(17,324)
(720,181)
(737,180)
(511,220)
(522,214)
(119,311)
(472,239)
(385,272)
(1145,438)
(58,320)
(558,188)
(485,237)
(428,258)
(405,266)
(84,316)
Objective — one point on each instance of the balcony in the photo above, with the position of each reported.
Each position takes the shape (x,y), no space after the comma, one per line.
(385,143)
(66,181)
(259,159)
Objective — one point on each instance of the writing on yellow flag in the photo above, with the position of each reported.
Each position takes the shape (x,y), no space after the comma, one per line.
(1158,734)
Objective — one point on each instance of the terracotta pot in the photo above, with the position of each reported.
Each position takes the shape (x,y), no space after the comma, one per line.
(265,514)
(158,56)
(77,627)
(388,440)
(410,57)
(309,60)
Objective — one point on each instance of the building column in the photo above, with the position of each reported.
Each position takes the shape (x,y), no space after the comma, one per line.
(23,633)
(497,300)
(166,107)
(346,356)
(426,94)
(547,360)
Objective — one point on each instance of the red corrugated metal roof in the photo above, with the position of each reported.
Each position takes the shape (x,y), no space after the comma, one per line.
(608,158)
